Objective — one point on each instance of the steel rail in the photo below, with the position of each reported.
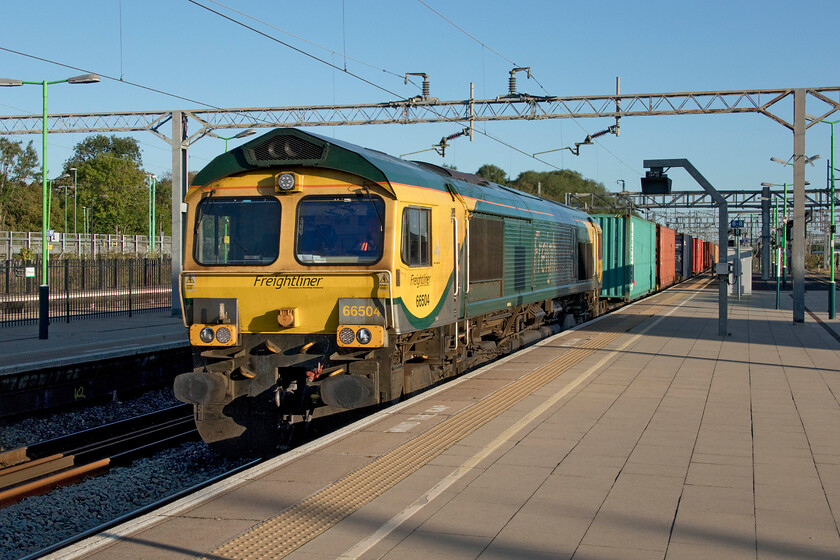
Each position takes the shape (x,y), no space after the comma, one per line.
(77,455)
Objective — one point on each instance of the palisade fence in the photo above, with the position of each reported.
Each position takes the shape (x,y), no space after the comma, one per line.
(84,288)
(83,244)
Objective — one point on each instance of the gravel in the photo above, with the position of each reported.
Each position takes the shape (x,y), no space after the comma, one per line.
(42,426)
(37,522)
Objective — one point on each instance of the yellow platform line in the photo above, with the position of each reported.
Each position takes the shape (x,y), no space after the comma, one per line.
(305,520)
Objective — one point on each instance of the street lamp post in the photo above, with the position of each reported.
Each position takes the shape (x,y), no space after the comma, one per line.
(44,290)
(65,187)
(781,259)
(811,161)
(242,134)
(832,287)
(75,196)
(152,183)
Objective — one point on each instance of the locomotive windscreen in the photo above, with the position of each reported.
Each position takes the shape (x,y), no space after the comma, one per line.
(340,230)
(237,231)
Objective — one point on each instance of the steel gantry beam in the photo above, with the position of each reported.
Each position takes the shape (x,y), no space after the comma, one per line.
(424,109)
(429,110)
(742,200)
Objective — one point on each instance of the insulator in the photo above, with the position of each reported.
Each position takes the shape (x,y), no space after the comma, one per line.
(426,88)
(512,84)
(597,134)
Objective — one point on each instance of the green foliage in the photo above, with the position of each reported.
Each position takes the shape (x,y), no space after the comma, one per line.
(555,184)
(552,185)
(18,167)
(492,173)
(94,147)
(163,205)
(25,254)
(112,184)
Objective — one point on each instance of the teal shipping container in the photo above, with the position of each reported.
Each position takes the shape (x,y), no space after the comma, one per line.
(629,256)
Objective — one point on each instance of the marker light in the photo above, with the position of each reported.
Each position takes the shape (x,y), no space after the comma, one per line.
(223,335)
(346,335)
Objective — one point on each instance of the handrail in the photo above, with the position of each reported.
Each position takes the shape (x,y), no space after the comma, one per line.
(457,265)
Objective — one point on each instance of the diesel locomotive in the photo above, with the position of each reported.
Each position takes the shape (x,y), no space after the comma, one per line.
(320,276)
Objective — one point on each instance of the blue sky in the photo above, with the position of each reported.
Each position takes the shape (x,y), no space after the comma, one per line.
(573,48)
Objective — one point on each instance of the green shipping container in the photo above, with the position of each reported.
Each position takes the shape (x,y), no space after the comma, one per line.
(629,256)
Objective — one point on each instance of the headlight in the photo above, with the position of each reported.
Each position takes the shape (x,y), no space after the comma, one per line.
(363,336)
(206,335)
(286,181)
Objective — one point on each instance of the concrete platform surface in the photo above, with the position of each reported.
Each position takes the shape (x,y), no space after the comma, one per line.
(86,340)
(644,435)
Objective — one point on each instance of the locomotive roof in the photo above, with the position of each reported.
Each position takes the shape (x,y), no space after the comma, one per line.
(290,147)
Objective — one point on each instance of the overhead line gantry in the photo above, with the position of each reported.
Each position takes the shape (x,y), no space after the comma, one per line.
(513,106)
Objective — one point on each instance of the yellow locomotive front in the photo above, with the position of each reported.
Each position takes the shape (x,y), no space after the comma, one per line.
(286,285)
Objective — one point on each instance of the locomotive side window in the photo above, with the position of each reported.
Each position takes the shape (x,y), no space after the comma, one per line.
(339,230)
(416,236)
(237,231)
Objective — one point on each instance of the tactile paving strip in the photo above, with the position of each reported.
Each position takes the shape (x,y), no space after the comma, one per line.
(297,525)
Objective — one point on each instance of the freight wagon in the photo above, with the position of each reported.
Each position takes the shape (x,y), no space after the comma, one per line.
(665,257)
(629,257)
(683,244)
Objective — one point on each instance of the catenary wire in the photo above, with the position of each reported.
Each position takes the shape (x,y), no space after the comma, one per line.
(299,38)
(533,77)
(354,75)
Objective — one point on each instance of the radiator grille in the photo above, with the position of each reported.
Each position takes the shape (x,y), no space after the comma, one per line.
(283,149)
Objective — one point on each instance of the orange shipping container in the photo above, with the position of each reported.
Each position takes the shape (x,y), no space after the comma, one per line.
(665,257)
(697,256)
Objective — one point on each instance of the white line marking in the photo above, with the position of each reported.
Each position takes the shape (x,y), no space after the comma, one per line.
(175,509)
(365,545)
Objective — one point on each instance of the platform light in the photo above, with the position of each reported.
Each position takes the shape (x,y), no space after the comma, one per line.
(44,289)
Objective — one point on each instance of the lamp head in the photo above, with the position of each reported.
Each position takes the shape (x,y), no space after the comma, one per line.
(8,82)
(84,79)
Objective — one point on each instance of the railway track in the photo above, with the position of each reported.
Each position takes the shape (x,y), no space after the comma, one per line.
(38,468)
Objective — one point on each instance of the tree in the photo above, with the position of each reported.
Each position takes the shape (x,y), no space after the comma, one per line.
(555,184)
(163,205)
(18,167)
(93,147)
(111,184)
(492,173)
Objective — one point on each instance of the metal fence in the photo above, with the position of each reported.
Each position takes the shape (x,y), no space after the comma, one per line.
(83,288)
(83,244)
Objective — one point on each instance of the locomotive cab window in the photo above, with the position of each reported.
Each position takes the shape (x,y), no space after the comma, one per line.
(416,236)
(340,230)
(586,261)
(237,231)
